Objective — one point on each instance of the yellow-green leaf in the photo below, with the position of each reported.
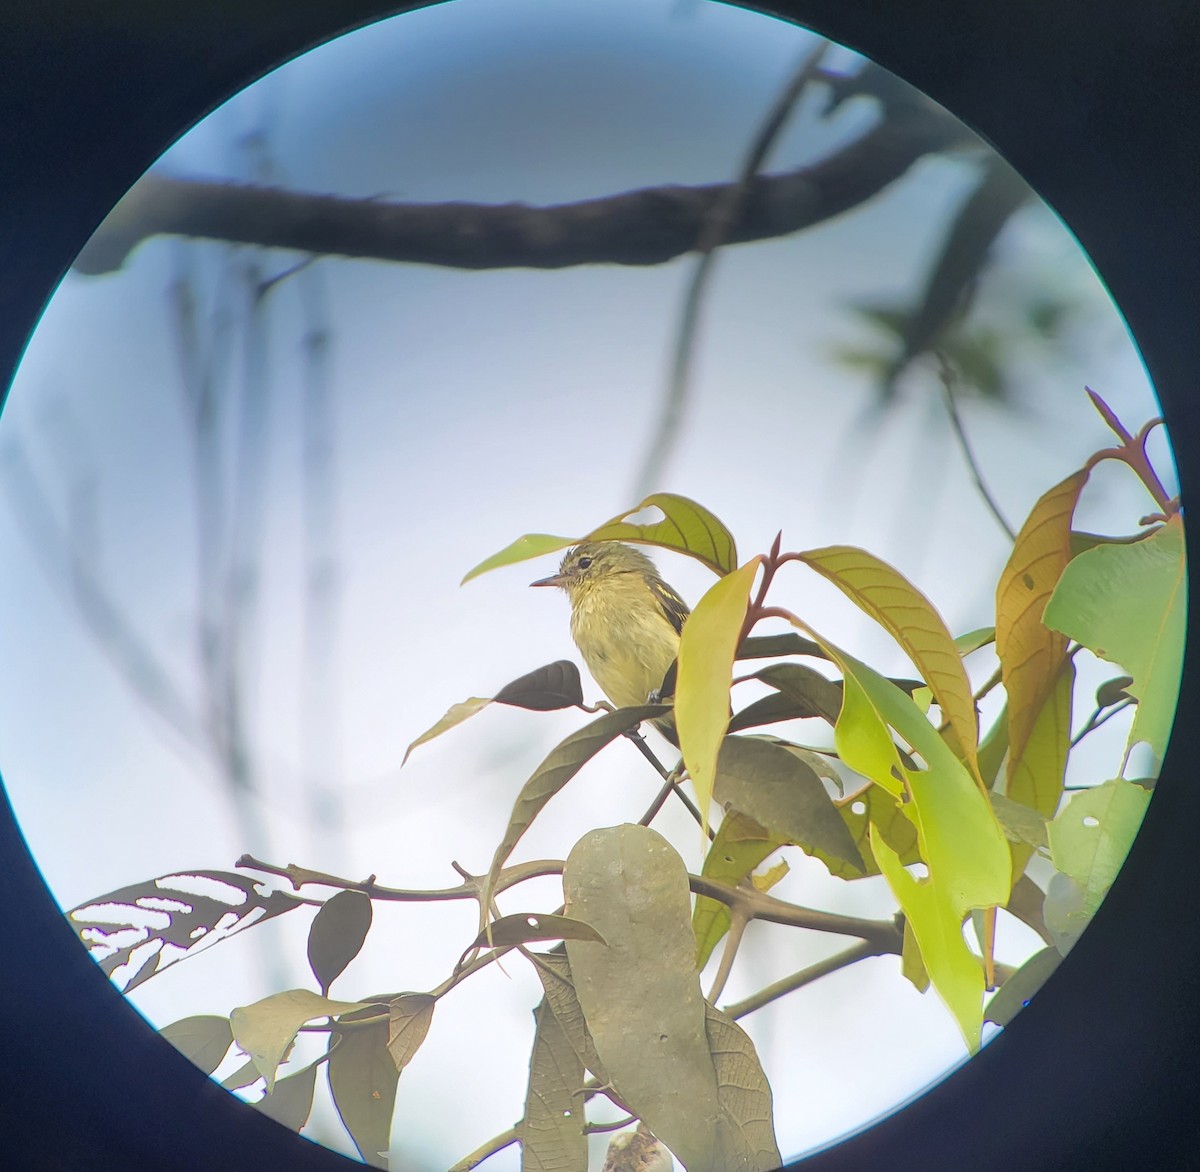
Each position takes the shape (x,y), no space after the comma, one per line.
(1127,603)
(531,545)
(706,650)
(911,619)
(267,1028)
(686,527)
(1093,833)
(1031,655)
(960,839)
(878,808)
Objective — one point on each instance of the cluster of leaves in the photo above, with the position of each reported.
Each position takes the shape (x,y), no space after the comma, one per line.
(623,1013)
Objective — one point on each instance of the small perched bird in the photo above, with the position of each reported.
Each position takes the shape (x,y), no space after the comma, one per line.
(625,620)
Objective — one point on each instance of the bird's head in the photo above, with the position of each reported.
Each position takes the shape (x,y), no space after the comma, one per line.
(596,562)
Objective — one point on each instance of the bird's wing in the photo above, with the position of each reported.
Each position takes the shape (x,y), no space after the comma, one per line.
(673,607)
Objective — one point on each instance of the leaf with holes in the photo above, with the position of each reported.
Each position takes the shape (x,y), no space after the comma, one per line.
(1092,834)
(137,931)
(910,618)
(530,927)
(706,649)
(337,934)
(547,689)
(362,1083)
(204,1039)
(686,527)
(1128,604)
(552,1131)
(267,1028)
(873,807)
(960,839)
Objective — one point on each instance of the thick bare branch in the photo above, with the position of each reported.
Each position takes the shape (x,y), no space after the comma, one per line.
(644,227)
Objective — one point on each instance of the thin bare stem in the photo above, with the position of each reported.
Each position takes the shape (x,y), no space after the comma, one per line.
(805,976)
(733,940)
(1099,717)
(947,377)
(496,1144)
(721,217)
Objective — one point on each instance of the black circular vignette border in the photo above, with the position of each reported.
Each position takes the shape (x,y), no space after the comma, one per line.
(1094,102)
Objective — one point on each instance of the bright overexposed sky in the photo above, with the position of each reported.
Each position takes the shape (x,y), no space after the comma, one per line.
(468,408)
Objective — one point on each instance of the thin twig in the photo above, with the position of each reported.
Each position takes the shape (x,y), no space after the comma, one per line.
(806,976)
(947,377)
(1099,717)
(733,940)
(722,215)
(496,1144)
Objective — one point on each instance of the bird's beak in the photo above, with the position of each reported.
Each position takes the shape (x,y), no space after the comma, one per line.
(553,580)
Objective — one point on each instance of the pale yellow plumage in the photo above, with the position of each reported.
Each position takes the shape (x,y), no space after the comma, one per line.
(625,619)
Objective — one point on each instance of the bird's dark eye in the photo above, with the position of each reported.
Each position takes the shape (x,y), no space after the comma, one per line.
(584,563)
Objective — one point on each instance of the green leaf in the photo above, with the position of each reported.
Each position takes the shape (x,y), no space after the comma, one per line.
(362,1082)
(993,747)
(531,545)
(874,807)
(337,934)
(781,792)
(1031,655)
(204,1039)
(772,646)
(686,527)
(267,1028)
(910,618)
(640,994)
(811,693)
(246,1075)
(1019,989)
(912,966)
(290,1101)
(739,846)
(552,1129)
(706,650)
(1093,833)
(527,928)
(960,839)
(1127,603)
(974,640)
(563,762)
(746,1130)
(1019,822)
(409,1018)
(545,689)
